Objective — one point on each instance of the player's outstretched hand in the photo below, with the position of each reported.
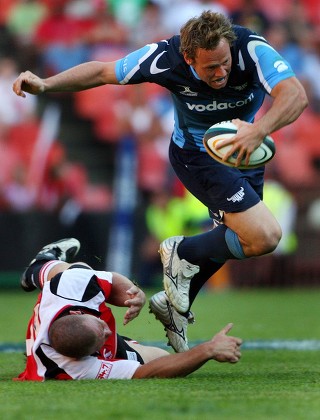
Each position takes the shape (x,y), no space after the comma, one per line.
(136,301)
(28,82)
(226,348)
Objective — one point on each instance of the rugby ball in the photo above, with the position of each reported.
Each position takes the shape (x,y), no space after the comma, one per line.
(225,130)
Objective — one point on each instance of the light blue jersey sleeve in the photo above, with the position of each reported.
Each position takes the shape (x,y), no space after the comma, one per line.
(272,68)
(127,68)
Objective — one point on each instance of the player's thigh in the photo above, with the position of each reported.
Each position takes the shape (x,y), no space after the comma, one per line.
(254,225)
(218,187)
(148,353)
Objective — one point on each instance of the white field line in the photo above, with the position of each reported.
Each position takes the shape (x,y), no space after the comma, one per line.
(298,345)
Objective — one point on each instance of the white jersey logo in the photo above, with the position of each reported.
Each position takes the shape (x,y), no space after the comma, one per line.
(154,69)
(187,91)
(238,196)
(280,66)
(218,106)
(104,370)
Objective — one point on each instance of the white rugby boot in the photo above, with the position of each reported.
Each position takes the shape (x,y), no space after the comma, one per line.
(177,274)
(174,323)
(63,250)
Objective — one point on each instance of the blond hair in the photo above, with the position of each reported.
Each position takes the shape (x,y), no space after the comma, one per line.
(205,31)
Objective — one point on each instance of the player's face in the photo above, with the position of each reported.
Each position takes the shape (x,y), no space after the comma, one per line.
(213,66)
(101,329)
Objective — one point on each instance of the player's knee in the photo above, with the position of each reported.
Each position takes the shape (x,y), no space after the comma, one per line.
(272,240)
(268,241)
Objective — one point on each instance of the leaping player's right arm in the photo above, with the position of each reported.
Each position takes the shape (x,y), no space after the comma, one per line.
(81,77)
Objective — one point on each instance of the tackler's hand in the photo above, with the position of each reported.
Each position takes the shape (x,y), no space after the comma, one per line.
(226,348)
(135,303)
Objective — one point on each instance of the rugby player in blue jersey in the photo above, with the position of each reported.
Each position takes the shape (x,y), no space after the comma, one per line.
(215,71)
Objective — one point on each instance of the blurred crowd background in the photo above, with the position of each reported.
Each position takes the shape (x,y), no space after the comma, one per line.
(64,157)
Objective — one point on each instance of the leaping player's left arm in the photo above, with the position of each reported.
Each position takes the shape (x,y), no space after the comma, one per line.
(289,101)
(278,79)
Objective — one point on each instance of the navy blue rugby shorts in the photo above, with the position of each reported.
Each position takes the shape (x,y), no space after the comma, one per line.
(219,187)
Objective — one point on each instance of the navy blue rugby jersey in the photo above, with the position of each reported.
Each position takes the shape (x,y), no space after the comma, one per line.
(256,69)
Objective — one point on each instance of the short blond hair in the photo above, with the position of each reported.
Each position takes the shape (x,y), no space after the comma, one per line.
(205,32)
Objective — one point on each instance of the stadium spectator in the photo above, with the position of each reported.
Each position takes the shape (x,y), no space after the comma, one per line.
(296,20)
(16,195)
(279,37)
(168,214)
(13,190)
(312,8)
(146,116)
(6,6)
(58,39)
(215,72)
(175,14)
(278,11)
(283,205)
(127,12)
(150,25)
(23,18)
(251,15)
(72,333)
(105,37)
(274,269)
(12,112)
(8,44)
(22,22)
(310,44)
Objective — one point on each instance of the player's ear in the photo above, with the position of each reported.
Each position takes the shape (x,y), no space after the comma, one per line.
(187,59)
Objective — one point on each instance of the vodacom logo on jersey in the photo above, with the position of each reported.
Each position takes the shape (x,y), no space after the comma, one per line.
(216,105)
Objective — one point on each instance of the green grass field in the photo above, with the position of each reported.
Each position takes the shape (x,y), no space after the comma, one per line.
(277,384)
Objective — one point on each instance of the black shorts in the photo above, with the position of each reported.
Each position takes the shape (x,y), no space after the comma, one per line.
(124,351)
(219,187)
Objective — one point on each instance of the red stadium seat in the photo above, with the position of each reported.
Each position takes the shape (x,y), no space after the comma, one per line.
(100,105)
(22,138)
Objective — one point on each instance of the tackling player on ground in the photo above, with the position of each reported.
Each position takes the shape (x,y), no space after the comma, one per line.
(72,333)
(215,71)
